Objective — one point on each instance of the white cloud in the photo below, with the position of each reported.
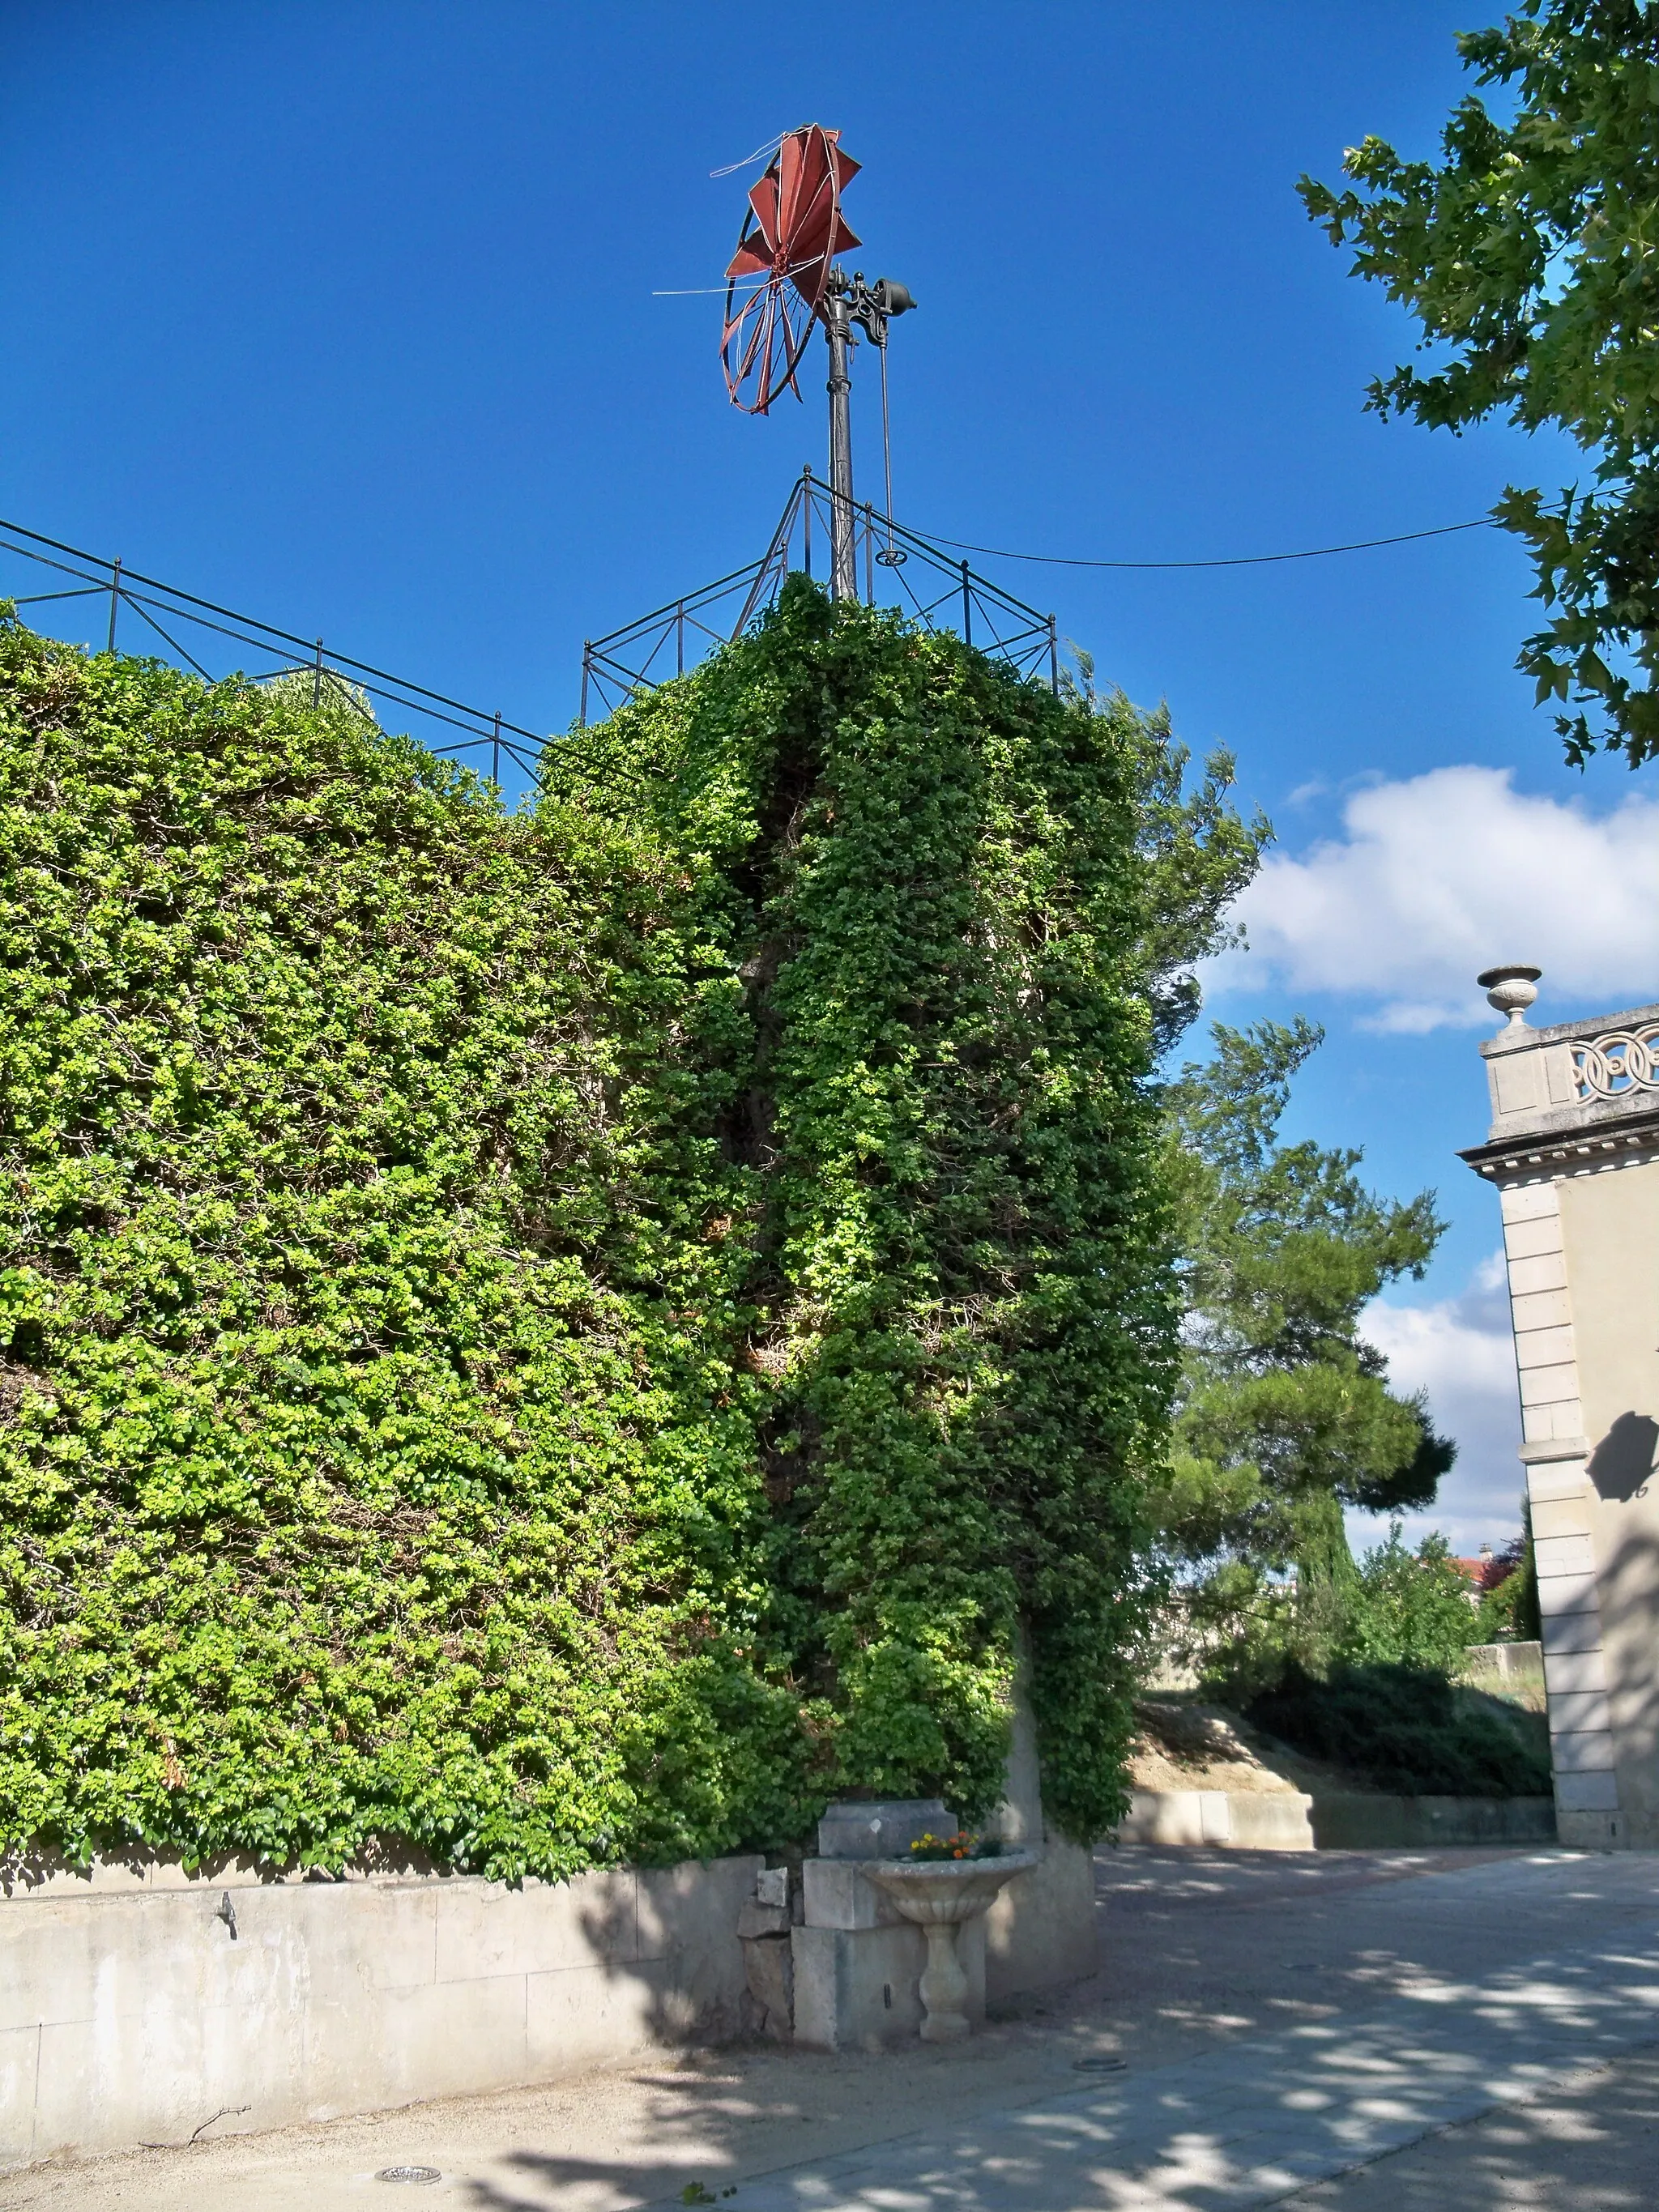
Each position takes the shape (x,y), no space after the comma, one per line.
(1461,1352)
(1441,875)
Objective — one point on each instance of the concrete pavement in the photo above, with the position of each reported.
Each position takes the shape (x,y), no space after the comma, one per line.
(1590,2145)
(1462,2022)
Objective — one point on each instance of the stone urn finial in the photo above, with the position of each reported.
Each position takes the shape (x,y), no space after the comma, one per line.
(1511,990)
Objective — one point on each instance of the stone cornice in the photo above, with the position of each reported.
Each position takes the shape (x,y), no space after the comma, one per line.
(1625,1141)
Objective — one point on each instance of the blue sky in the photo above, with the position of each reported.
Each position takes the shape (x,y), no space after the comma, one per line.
(343,313)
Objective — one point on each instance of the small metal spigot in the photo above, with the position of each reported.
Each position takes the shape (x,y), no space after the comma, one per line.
(227,1912)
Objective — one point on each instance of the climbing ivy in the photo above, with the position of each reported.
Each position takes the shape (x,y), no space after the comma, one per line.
(359,1488)
(544,1339)
(921,876)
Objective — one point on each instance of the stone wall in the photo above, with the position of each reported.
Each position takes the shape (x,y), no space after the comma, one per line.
(1237,1820)
(141,2006)
(1573,1152)
(1369,1820)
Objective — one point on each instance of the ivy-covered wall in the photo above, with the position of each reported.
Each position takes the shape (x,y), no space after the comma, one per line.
(566,1338)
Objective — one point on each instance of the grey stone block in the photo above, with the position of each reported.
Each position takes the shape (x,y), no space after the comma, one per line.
(768,1963)
(856,1988)
(758,1919)
(837,1894)
(884,1828)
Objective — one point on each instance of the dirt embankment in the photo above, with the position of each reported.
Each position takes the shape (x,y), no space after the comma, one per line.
(1180,1745)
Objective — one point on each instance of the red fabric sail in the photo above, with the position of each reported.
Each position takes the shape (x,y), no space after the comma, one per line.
(795,209)
(775,284)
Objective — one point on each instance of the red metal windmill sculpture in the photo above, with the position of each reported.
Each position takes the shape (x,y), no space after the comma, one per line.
(783,279)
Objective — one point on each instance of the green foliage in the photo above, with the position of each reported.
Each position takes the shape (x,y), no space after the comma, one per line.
(1397,1608)
(1411,1608)
(1285,1412)
(1197,854)
(1407,1728)
(1527,257)
(921,876)
(359,1485)
(1509,1607)
(549,1340)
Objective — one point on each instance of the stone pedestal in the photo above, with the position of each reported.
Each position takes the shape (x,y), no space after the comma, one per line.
(859,1988)
(857,1963)
(943,1898)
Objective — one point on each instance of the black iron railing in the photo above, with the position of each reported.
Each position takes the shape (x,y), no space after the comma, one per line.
(898,568)
(891,562)
(445,725)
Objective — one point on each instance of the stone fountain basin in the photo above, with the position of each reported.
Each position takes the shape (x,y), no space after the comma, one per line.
(938,1895)
(943,1893)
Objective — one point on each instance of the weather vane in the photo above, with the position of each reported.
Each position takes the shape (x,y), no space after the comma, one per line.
(783,279)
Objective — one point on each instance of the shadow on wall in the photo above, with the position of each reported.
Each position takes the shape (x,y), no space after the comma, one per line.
(672,1966)
(1622,1464)
(1627,1588)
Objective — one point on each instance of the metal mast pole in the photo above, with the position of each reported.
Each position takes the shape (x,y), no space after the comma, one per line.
(843,564)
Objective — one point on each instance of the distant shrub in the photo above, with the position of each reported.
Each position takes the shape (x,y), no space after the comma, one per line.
(1509,1603)
(1408,1609)
(1407,1728)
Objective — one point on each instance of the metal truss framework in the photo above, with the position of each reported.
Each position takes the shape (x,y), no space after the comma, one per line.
(900,569)
(445,726)
(942,592)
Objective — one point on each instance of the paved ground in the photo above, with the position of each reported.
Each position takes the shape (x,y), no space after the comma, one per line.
(1465,2031)
(1590,2146)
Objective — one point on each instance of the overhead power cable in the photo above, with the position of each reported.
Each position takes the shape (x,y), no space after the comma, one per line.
(1233,561)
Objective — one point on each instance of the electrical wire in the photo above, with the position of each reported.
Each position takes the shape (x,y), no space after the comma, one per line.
(708,291)
(1234,561)
(761,154)
(887,449)
(733,283)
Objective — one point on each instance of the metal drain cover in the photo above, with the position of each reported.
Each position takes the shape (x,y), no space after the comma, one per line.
(420,2175)
(1098,2065)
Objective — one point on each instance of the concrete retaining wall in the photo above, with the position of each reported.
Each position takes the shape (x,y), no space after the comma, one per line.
(1362,1821)
(131,2010)
(1355,1820)
(1511,1662)
(1244,1820)
(130,2013)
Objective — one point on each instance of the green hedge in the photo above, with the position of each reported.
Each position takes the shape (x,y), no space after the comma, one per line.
(549,1340)
(1408,1730)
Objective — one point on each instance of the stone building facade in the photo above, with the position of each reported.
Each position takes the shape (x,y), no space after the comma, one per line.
(1573,1151)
